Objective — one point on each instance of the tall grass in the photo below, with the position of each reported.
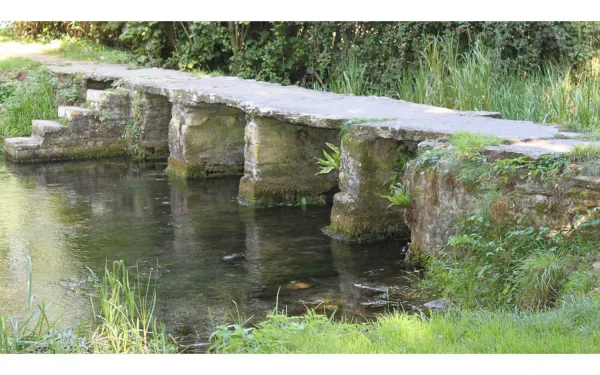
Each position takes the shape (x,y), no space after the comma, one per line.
(125,322)
(30,100)
(126,315)
(480,80)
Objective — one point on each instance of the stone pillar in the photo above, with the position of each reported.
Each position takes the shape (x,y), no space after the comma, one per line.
(206,140)
(368,165)
(149,126)
(280,166)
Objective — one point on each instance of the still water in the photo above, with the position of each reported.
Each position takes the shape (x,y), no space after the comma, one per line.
(203,248)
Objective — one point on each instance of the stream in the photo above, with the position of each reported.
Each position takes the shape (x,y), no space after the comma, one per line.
(201,247)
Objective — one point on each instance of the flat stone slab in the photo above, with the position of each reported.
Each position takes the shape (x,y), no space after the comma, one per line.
(390,118)
(537,148)
(302,106)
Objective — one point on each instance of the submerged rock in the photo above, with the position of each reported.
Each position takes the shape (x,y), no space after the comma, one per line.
(298,284)
(438,303)
(232,257)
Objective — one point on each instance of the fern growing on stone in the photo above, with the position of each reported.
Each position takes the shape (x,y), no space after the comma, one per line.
(331,162)
(399,196)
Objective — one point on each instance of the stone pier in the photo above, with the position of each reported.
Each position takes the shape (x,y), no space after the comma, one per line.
(280,165)
(206,140)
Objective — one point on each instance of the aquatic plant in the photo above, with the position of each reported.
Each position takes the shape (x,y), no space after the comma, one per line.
(125,322)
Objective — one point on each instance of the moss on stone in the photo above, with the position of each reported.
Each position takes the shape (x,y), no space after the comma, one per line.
(199,170)
(277,193)
(134,124)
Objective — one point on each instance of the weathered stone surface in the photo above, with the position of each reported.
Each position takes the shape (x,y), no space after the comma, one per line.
(280,165)
(534,149)
(110,104)
(368,165)
(83,135)
(150,117)
(206,140)
(440,199)
(437,201)
(49,132)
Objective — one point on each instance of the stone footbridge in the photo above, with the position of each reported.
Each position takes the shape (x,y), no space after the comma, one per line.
(270,135)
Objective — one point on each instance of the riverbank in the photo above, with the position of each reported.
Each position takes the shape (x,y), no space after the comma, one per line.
(571,328)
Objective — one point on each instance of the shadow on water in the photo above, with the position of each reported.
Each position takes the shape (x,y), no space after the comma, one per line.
(205,249)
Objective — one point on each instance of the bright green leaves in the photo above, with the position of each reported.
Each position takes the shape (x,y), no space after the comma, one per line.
(331,162)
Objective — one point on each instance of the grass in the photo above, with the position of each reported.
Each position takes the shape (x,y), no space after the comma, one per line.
(30,100)
(468,144)
(18,63)
(125,322)
(479,80)
(585,152)
(571,328)
(89,51)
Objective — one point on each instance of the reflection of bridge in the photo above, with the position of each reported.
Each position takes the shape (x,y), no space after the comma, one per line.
(271,134)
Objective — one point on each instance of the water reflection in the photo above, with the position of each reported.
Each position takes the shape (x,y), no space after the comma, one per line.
(204,248)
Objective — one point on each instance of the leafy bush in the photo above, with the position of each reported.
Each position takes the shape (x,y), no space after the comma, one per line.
(310,53)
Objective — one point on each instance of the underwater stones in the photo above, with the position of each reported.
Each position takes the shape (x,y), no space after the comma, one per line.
(280,167)
(205,140)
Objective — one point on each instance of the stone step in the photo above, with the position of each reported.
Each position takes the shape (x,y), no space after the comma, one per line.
(21,149)
(72,113)
(80,119)
(45,129)
(110,104)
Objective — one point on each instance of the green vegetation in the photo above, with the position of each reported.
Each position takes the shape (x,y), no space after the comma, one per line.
(37,97)
(32,99)
(468,144)
(89,51)
(319,53)
(477,80)
(585,152)
(125,322)
(495,265)
(496,261)
(399,196)
(571,328)
(330,162)
(18,63)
